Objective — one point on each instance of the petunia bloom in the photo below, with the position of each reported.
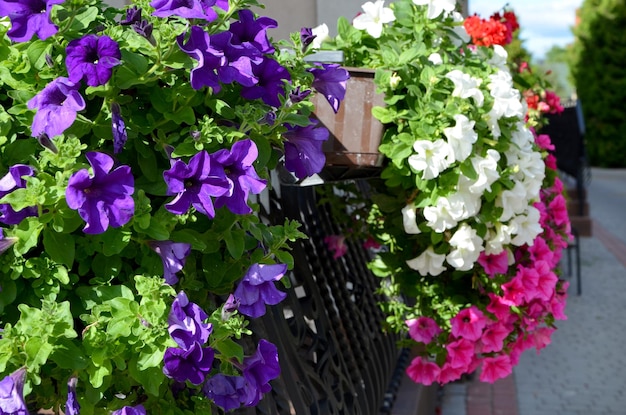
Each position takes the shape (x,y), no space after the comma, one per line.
(11,181)
(428,263)
(131,410)
(259,370)
(192,364)
(306,37)
(253,31)
(271,77)
(373,17)
(103,198)
(303,149)
(57,105)
(194,184)
(495,368)
(28,18)
(118,127)
(436,7)
(237,165)
(12,393)
(173,255)
(468,323)
(187,323)
(92,58)
(6,242)
(423,329)
(71,405)
(257,289)
(336,244)
(227,392)
(422,371)
(189,9)
(331,81)
(209,58)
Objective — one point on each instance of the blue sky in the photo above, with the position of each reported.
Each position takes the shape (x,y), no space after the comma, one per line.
(543,23)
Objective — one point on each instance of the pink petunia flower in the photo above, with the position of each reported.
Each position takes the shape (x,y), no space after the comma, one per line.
(547,280)
(468,323)
(337,244)
(495,368)
(493,337)
(558,209)
(542,337)
(423,329)
(423,371)
(460,353)
(494,264)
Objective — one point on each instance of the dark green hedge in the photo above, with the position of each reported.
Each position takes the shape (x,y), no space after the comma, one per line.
(600,75)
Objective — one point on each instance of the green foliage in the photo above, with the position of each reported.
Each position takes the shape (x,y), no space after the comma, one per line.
(599,58)
(96,306)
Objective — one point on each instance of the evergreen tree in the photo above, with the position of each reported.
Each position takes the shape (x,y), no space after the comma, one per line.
(599,61)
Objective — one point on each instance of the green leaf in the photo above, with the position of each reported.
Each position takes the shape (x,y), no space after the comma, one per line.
(383,114)
(98,373)
(37,352)
(235,242)
(37,51)
(229,349)
(285,257)
(67,355)
(106,268)
(28,233)
(60,246)
(113,241)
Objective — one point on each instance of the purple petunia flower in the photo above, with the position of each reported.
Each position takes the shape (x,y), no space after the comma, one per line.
(104,198)
(227,392)
(230,306)
(271,76)
(57,105)
(71,405)
(331,81)
(28,18)
(173,255)
(306,37)
(296,95)
(14,179)
(248,30)
(192,364)
(303,149)
(236,165)
(92,58)
(194,184)
(189,9)
(6,243)
(209,58)
(133,15)
(131,410)
(119,128)
(259,370)
(186,323)
(257,289)
(12,393)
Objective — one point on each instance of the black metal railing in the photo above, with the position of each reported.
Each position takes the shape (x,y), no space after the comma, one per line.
(335,357)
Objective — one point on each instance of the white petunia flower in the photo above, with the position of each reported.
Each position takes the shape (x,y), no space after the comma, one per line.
(513,202)
(461,137)
(507,101)
(436,7)
(432,157)
(435,58)
(499,58)
(466,86)
(409,220)
(373,17)
(492,122)
(321,34)
(464,204)
(487,169)
(497,238)
(468,246)
(441,216)
(526,227)
(462,37)
(428,263)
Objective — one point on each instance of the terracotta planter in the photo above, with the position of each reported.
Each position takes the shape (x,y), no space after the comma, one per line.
(354,132)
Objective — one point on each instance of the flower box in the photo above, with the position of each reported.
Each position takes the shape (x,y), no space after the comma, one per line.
(354,132)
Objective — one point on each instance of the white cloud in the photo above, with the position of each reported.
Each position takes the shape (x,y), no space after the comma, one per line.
(543,23)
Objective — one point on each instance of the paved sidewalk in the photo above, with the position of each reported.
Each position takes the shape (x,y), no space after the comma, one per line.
(583,371)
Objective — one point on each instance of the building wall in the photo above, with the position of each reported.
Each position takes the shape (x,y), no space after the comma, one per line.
(292,15)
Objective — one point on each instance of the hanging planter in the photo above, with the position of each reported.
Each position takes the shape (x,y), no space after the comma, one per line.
(354,132)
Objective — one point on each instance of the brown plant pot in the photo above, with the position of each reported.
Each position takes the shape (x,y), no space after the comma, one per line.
(354,132)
